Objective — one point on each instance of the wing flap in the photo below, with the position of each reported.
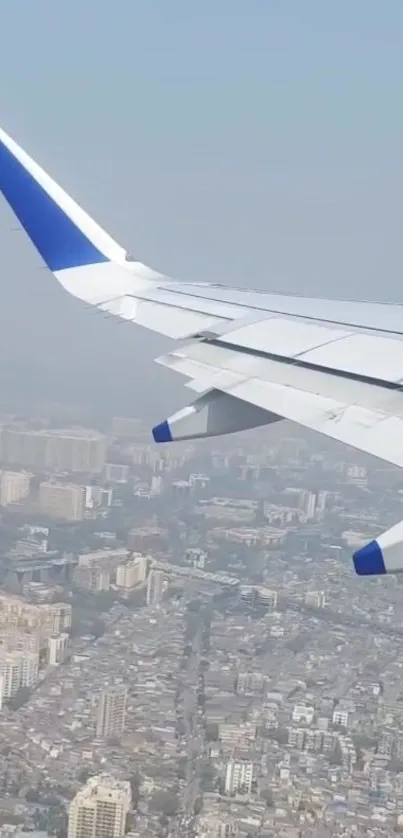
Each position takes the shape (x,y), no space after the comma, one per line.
(210,358)
(361,415)
(368,430)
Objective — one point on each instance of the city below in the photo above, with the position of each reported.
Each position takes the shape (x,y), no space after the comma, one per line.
(185,649)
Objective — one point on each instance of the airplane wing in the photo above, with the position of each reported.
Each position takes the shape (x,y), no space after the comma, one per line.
(251,358)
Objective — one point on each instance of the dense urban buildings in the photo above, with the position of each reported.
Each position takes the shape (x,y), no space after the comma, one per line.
(187,619)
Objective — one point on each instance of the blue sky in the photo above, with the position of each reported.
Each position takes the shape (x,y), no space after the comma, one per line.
(254,142)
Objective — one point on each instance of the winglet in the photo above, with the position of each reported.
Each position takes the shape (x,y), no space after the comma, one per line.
(162,432)
(61,231)
(368,561)
(384,555)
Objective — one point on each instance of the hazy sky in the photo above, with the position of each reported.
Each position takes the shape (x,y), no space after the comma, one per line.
(257,142)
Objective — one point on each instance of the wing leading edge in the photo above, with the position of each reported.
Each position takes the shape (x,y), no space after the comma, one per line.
(252,358)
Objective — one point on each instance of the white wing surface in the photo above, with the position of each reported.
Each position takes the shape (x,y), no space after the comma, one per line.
(251,358)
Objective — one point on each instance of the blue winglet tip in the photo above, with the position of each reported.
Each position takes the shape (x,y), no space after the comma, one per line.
(162,433)
(59,240)
(368,561)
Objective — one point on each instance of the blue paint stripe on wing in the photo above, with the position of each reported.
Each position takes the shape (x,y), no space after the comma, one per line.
(59,241)
(368,561)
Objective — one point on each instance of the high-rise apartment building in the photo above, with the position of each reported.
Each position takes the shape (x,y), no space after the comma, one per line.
(16,640)
(100,809)
(238,777)
(131,574)
(237,736)
(14,486)
(62,500)
(59,450)
(58,616)
(249,683)
(96,497)
(27,627)
(111,712)
(322,500)
(17,612)
(29,669)
(155,587)
(157,485)
(315,599)
(308,504)
(116,473)
(105,558)
(18,669)
(10,668)
(92,578)
(58,645)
